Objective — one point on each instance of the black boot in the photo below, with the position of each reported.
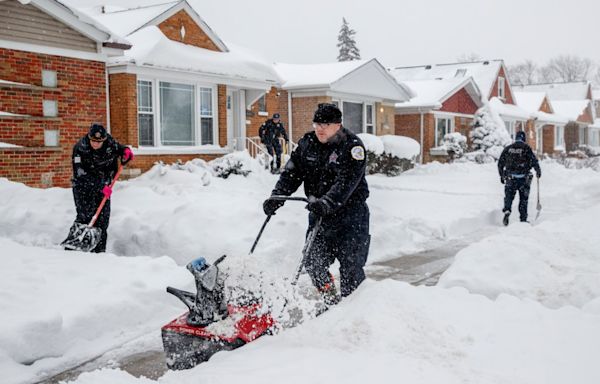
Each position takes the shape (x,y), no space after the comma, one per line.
(330,294)
(506,216)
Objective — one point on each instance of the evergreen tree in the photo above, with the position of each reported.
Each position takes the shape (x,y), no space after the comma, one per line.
(348,49)
(489,134)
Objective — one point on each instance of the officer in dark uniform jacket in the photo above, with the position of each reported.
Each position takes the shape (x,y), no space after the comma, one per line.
(331,163)
(95,163)
(270,132)
(514,167)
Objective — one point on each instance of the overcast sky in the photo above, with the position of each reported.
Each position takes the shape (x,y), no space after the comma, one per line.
(409,32)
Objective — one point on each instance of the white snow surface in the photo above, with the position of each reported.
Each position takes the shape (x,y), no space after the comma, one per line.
(429,93)
(8,145)
(577,90)
(571,109)
(61,308)
(315,75)
(530,101)
(509,110)
(372,143)
(399,146)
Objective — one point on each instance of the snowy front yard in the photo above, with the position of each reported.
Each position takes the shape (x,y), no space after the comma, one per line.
(521,305)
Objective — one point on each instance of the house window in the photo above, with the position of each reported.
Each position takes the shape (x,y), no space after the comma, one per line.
(353,116)
(582,135)
(49,79)
(501,85)
(443,126)
(145,113)
(510,128)
(559,137)
(177,114)
(370,120)
(50,108)
(594,137)
(262,105)
(206,116)
(539,132)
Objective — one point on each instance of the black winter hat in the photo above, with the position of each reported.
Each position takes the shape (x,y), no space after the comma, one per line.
(97,132)
(327,114)
(520,136)
(276,116)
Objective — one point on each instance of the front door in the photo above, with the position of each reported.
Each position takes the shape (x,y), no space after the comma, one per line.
(233,120)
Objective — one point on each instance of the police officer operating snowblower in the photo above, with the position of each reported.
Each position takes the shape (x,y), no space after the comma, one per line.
(514,167)
(331,163)
(270,132)
(95,169)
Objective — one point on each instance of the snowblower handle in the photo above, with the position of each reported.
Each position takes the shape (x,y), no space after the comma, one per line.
(286,198)
(103,202)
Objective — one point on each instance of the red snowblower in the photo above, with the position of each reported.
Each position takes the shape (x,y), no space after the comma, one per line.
(212,324)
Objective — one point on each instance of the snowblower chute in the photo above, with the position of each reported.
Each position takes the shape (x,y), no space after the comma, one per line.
(210,325)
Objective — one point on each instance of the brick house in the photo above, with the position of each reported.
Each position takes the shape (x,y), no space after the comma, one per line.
(52,86)
(440,107)
(573,100)
(363,89)
(180,92)
(490,76)
(549,127)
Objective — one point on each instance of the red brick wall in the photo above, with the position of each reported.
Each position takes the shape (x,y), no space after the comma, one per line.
(274,104)
(222,112)
(194,35)
(460,102)
(303,111)
(410,126)
(123,107)
(508,98)
(81,97)
(571,136)
(145,162)
(586,116)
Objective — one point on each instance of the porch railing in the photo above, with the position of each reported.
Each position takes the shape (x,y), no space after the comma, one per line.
(258,150)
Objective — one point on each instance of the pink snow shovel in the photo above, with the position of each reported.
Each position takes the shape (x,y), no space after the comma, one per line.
(539,205)
(85,237)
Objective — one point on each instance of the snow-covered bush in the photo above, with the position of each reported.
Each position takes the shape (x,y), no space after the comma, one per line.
(389,154)
(455,144)
(237,163)
(489,134)
(589,151)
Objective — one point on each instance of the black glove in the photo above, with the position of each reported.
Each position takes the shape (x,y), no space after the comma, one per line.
(270,206)
(502,179)
(539,175)
(319,207)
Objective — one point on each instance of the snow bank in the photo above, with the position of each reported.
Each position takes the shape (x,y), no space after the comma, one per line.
(399,146)
(372,143)
(390,332)
(64,307)
(555,263)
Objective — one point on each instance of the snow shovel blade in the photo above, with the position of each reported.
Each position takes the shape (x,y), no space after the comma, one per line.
(82,237)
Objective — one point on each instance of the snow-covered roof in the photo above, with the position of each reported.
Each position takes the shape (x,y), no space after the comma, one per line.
(509,110)
(432,93)
(152,48)
(361,77)
(551,118)
(571,109)
(530,101)
(596,124)
(484,73)
(559,91)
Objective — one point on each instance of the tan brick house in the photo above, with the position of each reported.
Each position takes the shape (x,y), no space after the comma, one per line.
(180,92)
(52,86)
(488,75)
(440,107)
(363,89)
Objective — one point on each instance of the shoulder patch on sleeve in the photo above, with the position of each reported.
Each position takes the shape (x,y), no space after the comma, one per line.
(77,159)
(358,153)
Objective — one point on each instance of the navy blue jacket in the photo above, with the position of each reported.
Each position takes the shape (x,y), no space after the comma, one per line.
(518,159)
(92,169)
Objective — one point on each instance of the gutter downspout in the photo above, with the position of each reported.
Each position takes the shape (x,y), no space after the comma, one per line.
(422,134)
(107,87)
(290,125)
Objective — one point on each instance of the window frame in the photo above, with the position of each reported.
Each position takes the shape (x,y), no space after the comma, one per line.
(437,141)
(197,110)
(559,132)
(152,112)
(366,124)
(501,87)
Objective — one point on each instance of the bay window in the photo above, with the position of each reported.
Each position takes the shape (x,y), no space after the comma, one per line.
(443,126)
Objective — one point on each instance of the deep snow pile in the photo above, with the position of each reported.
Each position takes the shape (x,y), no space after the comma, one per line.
(89,303)
(390,332)
(555,263)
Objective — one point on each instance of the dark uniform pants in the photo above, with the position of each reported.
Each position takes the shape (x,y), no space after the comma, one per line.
(345,237)
(522,185)
(274,149)
(86,203)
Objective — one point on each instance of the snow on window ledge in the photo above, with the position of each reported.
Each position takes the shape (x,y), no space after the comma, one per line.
(438,151)
(193,150)
(559,149)
(261,113)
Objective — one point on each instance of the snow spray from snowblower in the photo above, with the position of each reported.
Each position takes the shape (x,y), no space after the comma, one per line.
(212,324)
